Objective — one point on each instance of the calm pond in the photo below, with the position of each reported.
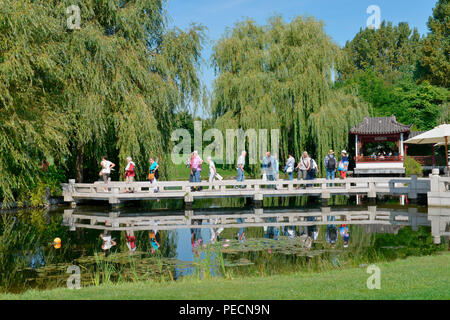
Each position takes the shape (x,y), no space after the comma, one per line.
(43,248)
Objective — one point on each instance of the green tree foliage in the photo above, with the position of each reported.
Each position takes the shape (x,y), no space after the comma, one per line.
(434,64)
(110,87)
(279,76)
(388,51)
(423,105)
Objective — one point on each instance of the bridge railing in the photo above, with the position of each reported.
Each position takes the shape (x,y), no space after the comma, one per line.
(392,185)
(256,219)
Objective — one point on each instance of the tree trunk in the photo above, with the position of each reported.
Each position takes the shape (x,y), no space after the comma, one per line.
(79,163)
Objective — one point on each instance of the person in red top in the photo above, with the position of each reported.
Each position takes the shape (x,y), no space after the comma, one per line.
(129,173)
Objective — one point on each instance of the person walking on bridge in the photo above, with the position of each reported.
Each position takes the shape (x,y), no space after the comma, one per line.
(107,166)
(196,169)
(329,162)
(276,167)
(212,172)
(268,164)
(240,168)
(303,167)
(343,165)
(151,175)
(129,173)
(290,167)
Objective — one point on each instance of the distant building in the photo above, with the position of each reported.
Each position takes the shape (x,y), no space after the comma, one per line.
(374,155)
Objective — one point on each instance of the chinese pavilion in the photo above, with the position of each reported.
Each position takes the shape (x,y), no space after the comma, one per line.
(379,146)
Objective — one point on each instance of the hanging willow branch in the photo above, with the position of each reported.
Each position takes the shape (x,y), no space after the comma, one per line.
(280,76)
(114,84)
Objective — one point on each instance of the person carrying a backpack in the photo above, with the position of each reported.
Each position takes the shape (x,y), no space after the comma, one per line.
(331,235)
(330,165)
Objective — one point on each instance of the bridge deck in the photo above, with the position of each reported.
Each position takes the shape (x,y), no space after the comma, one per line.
(115,192)
(257,218)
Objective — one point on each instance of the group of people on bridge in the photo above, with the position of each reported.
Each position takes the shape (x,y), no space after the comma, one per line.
(130,171)
(306,167)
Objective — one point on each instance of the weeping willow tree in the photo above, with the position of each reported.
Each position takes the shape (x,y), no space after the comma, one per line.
(279,76)
(109,87)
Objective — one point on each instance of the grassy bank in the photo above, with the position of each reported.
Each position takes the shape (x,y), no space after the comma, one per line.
(426,277)
(180,172)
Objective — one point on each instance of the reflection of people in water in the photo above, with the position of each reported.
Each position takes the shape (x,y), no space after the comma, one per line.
(215,232)
(196,237)
(35,259)
(272,232)
(131,240)
(312,230)
(154,245)
(108,241)
(331,235)
(241,231)
(343,230)
(289,231)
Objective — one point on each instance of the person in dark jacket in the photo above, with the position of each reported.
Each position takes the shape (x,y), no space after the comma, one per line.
(330,164)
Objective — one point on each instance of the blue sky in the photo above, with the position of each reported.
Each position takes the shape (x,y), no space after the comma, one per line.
(342,18)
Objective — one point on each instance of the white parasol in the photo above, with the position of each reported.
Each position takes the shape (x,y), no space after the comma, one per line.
(439,135)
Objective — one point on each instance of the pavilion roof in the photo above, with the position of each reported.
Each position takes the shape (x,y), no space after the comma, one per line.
(380,125)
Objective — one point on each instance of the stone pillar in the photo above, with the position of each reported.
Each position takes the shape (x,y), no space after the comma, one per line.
(434,180)
(435,228)
(188,200)
(258,197)
(372,210)
(68,191)
(412,188)
(258,200)
(402,154)
(413,218)
(372,193)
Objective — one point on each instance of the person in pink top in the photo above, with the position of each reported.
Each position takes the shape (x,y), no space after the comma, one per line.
(196,168)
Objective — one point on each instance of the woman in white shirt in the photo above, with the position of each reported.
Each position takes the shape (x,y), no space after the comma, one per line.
(106,169)
(108,242)
(212,170)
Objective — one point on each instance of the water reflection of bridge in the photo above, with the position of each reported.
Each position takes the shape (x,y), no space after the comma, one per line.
(437,218)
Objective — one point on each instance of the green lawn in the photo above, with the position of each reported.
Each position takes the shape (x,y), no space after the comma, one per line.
(413,278)
(180,172)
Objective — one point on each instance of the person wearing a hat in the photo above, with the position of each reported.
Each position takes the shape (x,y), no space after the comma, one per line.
(343,165)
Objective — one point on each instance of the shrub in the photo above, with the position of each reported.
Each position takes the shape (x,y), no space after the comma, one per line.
(412,167)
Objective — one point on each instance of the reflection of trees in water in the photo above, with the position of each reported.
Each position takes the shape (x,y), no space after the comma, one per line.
(301,201)
(171,204)
(364,248)
(220,203)
(166,239)
(25,244)
(307,201)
